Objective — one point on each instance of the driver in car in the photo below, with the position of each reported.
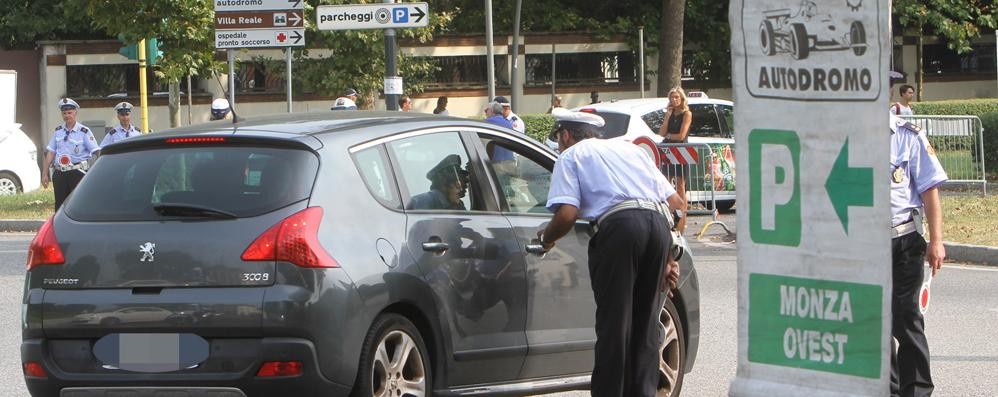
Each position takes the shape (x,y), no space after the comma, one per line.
(448,185)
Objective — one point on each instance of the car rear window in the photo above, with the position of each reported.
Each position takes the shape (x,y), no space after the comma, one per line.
(242,180)
(616,123)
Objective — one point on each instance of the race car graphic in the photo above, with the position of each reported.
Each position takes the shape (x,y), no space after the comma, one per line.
(784,31)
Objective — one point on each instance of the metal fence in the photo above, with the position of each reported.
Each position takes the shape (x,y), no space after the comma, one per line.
(959,144)
(709,176)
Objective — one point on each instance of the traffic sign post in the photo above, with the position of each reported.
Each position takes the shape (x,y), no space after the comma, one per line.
(814,260)
(373,16)
(259,24)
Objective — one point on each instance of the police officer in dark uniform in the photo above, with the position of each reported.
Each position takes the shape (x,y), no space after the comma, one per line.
(68,152)
(616,186)
(124,129)
(915,177)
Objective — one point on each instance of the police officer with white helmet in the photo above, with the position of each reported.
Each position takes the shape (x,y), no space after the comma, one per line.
(220,109)
(67,155)
(617,187)
(915,175)
(124,129)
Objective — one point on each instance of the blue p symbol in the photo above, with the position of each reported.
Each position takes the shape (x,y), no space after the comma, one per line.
(400,15)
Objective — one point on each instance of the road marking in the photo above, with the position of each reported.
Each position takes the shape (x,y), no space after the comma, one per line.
(13,251)
(963,266)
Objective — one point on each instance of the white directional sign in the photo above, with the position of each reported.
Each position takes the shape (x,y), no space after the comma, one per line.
(373,16)
(255,38)
(814,249)
(259,23)
(258,5)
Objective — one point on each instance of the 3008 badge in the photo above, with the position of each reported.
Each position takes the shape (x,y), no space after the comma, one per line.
(256,276)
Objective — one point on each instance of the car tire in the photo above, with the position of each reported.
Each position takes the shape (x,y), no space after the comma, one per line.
(672,360)
(767,39)
(9,184)
(857,35)
(799,45)
(394,360)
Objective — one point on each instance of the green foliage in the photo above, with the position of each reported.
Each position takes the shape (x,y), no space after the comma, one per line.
(957,22)
(972,107)
(38,204)
(22,22)
(538,125)
(990,124)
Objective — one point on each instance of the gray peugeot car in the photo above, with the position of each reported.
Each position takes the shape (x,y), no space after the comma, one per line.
(333,254)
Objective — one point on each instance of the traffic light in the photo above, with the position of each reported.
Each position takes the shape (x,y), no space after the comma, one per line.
(131,51)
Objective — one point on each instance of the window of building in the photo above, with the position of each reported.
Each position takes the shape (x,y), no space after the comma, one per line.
(586,68)
(114,81)
(469,71)
(940,61)
(260,75)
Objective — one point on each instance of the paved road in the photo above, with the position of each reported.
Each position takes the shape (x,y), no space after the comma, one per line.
(962,323)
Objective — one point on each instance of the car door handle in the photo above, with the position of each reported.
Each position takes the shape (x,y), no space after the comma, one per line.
(435,247)
(535,249)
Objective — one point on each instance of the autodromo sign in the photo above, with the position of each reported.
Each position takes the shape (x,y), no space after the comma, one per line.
(814,248)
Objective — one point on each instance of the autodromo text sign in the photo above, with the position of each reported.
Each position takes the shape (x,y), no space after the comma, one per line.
(372,16)
(810,81)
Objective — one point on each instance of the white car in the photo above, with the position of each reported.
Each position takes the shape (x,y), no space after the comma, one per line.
(713,124)
(18,161)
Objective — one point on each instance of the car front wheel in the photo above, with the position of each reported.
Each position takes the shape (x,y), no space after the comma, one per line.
(394,361)
(673,351)
(9,185)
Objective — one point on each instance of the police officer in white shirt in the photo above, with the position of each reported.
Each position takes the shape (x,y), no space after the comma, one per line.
(68,152)
(617,187)
(507,112)
(124,129)
(915,177)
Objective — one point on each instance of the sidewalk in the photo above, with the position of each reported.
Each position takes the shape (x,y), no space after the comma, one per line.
(977,254)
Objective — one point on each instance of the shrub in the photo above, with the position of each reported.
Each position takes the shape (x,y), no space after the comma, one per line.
(985,109)
(538,125)
(971,107)
(990,123)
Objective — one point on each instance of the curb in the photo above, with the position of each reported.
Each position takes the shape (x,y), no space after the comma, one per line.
(977,254)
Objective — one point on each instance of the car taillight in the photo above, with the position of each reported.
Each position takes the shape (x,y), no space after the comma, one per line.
(279,368)
(197,139)
(295,240)
(587,110)
(44,248)
(34,370)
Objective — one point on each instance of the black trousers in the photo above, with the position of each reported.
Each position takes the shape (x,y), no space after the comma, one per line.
(63,182)
(910,362)
(626,260)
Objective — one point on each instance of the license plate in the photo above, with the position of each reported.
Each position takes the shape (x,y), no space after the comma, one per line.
(164,352)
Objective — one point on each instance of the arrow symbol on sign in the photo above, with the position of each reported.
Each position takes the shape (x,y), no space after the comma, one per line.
(848,186)
(297,36)
(294,3)
(419,14)
(294,18)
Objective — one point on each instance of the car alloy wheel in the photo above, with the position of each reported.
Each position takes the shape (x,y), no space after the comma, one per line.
(673,351)
(8,184)
(394,361)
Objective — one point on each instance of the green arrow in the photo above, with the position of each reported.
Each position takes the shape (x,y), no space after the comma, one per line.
(849,186)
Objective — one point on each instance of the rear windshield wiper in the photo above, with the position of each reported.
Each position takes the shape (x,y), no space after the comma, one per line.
(171,209)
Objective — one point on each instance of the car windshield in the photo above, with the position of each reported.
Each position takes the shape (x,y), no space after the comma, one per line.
(203,182)
(616,123)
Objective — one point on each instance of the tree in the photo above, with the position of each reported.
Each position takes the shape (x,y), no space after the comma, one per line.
(23,22)
(955,22)
(670,55)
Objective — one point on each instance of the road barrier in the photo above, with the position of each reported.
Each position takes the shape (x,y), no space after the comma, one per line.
(709,172)
(959,144)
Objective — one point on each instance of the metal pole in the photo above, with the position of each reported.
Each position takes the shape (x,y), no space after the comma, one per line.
(641,55)
(287,59)
(143,102)
(232,78)
(490,51)
(554,65)
(190,102)
(514,81)
(391,68)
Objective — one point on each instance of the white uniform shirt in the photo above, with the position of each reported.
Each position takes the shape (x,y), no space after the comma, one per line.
(518,123)
(914,169)
(596,174)
(76,145)
(118,133)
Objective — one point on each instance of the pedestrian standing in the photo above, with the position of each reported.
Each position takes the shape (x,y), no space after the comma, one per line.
(903,106)
(405,103)
(441,108)
(616,186)
(915,177)
(68,152)
(346,102)
(124,129)
(594,97)
(675,129)
(507,112)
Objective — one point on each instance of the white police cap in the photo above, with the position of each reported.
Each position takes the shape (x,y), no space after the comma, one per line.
(67,104)
(563,115)
(123,107)
(220,104)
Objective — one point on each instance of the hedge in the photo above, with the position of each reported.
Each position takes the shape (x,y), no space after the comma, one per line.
(971,107)
(990,123)
(538,125)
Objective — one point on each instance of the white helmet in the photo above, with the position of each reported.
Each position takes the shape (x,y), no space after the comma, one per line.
(219,108)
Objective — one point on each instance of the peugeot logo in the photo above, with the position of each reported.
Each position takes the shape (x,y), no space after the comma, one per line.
(147,250)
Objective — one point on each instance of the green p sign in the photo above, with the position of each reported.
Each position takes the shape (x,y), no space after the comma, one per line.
(775,213)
